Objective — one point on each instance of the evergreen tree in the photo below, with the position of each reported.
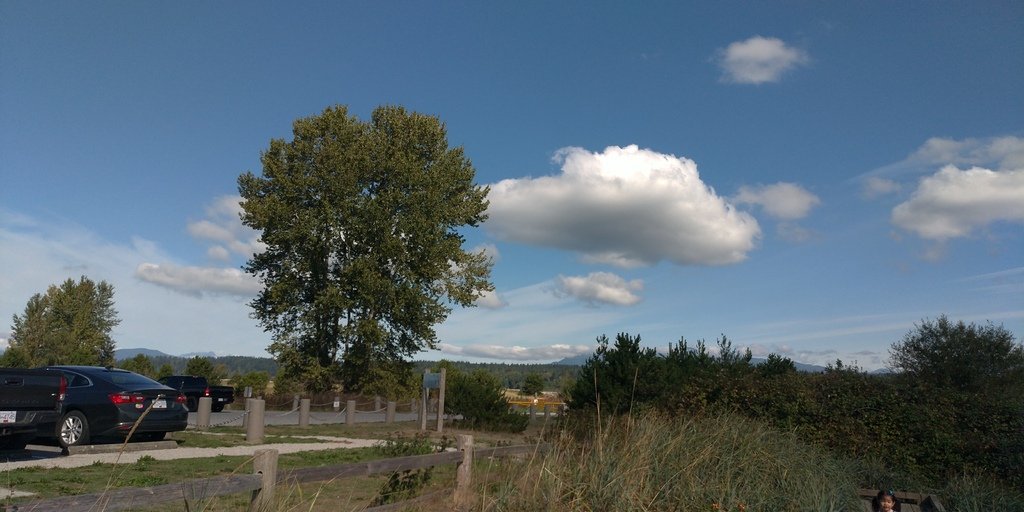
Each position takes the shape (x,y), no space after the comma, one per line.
(69,324)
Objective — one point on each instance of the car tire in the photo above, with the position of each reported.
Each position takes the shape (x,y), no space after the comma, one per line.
(217,407)
(192,404)
(73,430)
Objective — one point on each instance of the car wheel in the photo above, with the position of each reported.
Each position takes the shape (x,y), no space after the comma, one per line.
(73,430)
(192,405)
(217,407)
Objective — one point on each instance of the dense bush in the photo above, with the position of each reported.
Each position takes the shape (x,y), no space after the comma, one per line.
(928,420)
(480,400)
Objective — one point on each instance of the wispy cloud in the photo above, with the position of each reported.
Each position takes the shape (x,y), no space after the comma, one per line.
(517,353)
(786,201)
(758,60)
(997,153)
(625,206)
(199,280)
(48,252)
(600,288)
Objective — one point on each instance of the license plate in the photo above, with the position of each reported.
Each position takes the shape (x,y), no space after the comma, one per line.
(8,416)
(159,404)
(221,399)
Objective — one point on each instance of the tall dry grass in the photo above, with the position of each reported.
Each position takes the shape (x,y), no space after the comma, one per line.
(653,462)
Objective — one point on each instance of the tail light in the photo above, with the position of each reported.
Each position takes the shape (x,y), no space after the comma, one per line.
(126,398)
(63,390)
(207,391)
(181,399)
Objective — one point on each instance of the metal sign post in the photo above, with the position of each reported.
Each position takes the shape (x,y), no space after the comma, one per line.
(433,381)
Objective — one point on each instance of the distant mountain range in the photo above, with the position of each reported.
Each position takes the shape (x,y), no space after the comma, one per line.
(128,353)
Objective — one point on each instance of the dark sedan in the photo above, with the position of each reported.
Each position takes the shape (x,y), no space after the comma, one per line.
(109,402)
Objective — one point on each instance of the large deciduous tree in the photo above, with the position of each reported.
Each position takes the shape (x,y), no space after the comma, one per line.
(955,355)
(364,255)
(69,324)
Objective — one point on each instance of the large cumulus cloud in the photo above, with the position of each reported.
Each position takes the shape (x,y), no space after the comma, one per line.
(624,206)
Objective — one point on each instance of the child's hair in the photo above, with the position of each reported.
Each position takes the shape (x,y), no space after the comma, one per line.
(876,504)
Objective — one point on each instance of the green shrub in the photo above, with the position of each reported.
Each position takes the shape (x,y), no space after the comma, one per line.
(480,399)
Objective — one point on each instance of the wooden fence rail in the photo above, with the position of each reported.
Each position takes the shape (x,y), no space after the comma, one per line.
(266,477)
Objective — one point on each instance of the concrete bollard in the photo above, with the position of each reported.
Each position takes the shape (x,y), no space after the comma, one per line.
(547,413)
(304,412)
(295,402)
(376,403)
(337,403)
(389,417)
(254,430)
(203,416)
(350,412)
(245,417)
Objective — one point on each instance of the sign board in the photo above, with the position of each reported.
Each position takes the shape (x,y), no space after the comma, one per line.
(431,381)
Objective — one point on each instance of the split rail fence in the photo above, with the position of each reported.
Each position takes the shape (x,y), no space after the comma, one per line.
(266,478)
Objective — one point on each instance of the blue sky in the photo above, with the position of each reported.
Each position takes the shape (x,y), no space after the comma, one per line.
(810,179)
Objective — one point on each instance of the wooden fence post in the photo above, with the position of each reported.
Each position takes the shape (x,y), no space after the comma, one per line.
(350,412)
(264,463)
(464,471)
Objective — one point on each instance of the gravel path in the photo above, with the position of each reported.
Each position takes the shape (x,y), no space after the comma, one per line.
(49,457)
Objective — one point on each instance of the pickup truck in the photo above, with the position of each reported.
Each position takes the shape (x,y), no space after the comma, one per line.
(195,387)
(30,402)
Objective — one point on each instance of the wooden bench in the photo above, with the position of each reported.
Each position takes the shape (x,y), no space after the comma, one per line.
(909,501)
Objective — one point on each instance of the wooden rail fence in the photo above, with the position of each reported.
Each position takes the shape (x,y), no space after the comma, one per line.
(266,478)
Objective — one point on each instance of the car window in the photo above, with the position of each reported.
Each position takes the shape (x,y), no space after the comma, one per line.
(123,378)
(76,381)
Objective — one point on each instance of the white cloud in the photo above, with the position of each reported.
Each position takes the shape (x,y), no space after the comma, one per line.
(218,252)
(490,250)
(490,300)
(1000,152)
(224,227)
(875,186)
(997,153)
(516,353)
(786,201)
(952,203)
(625,206)
(600,288)
(199,280)
(758,60)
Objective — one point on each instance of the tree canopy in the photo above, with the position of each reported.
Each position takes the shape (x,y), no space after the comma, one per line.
(363,250)
(69,324)
(964,357)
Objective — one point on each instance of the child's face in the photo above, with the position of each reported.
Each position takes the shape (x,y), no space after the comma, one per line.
(887,503)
